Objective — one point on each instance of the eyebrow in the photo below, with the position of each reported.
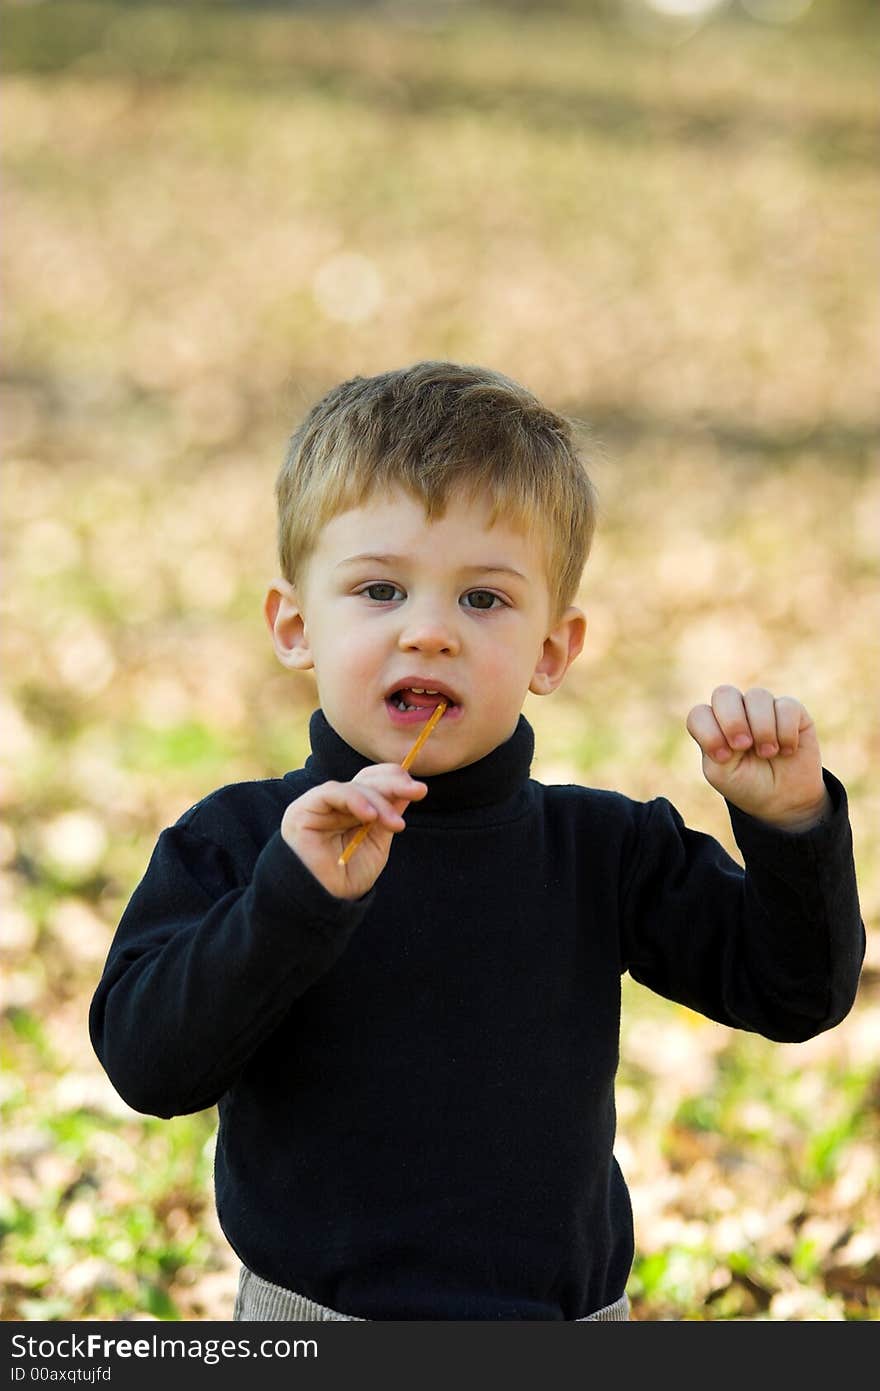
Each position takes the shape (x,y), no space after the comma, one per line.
(373,559)
(368,556)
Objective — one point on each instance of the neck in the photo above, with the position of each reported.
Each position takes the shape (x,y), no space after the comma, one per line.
(492,779)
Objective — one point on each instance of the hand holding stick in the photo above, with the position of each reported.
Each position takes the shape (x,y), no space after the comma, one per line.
(360,836)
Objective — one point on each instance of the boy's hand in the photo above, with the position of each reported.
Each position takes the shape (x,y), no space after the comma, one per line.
(761,753)
(320,823)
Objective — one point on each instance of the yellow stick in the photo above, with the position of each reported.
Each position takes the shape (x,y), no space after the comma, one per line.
(360,836)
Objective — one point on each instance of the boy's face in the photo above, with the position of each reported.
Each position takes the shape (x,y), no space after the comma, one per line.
(395,611)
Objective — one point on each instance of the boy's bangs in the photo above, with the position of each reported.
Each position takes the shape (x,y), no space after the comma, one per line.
(360,481)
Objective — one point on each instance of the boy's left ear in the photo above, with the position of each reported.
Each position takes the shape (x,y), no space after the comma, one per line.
(561,645)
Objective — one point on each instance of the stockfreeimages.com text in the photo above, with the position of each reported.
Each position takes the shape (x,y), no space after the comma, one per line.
(210,1351)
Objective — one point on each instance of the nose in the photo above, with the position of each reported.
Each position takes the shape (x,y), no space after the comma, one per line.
(429,629)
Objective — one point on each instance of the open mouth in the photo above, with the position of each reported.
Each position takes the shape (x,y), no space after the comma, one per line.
(410,704)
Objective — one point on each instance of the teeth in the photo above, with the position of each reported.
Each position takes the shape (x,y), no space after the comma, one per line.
(402,705)
(400,702)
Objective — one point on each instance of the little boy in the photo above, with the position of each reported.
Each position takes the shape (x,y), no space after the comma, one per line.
(413,1050)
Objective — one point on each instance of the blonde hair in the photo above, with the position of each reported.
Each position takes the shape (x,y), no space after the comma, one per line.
(439,430)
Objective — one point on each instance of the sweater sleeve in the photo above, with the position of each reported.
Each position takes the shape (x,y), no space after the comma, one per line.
(203,968)
(775,947)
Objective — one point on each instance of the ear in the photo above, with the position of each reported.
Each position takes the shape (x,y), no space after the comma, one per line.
(287,625)
(561,645)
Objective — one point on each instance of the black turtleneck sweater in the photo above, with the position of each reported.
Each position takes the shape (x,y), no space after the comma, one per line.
(416,1089)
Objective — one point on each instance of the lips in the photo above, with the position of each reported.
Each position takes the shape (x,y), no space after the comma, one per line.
(412,701)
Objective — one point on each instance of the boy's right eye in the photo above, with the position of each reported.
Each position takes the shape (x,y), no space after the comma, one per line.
(382,592)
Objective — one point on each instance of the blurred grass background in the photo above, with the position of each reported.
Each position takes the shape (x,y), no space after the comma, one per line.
(661,217)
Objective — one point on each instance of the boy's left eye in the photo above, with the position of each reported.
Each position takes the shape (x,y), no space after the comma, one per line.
(481,599)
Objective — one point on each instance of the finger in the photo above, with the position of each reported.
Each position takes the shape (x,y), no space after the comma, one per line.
(705,729)
(362,804)
(791,718)
(761,713)
(730,712)
(383,808)
(392,780)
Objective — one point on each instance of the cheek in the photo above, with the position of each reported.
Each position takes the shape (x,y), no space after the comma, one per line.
(508,663)
(352,652)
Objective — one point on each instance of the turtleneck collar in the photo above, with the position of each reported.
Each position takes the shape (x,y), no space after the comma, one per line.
(489,781)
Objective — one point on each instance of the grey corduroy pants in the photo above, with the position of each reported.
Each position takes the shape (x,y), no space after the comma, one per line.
(259,1301)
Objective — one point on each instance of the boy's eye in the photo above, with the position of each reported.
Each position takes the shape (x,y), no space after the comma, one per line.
(480,599)
(382,592)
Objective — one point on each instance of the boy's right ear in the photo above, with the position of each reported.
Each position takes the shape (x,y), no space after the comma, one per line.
(287,625)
